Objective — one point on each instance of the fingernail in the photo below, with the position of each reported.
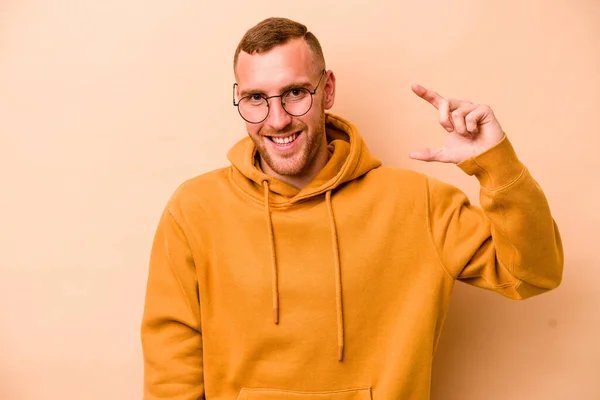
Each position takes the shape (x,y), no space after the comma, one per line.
(449,129)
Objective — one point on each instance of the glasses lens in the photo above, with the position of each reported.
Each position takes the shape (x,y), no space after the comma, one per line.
(297,101)
(253,108)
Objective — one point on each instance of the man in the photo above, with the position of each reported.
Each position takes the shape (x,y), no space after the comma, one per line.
(306,269)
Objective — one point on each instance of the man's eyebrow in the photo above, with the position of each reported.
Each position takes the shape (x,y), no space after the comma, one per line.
(306,85)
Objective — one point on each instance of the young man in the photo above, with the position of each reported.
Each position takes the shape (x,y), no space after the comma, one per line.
(306,269)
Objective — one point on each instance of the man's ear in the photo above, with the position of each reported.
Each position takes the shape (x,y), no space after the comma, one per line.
(236,94)
(329,90)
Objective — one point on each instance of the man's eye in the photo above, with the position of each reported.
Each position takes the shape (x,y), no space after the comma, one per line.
(296,92)
(255,97)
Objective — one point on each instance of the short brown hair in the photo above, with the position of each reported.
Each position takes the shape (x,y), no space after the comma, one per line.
(273,32)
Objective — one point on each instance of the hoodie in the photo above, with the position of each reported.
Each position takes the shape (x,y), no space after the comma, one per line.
(259,290)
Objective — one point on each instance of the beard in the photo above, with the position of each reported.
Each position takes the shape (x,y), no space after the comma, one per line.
(300,160)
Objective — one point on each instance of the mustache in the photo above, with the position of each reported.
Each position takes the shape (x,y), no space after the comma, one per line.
(291,128)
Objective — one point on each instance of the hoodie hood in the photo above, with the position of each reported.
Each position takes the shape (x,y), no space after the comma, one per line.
(350,159)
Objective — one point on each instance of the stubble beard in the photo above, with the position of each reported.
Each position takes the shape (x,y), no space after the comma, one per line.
(302,158)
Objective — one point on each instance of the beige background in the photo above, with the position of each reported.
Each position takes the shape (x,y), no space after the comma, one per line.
(106,106)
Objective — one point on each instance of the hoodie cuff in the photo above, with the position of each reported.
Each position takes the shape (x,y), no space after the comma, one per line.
(496,167)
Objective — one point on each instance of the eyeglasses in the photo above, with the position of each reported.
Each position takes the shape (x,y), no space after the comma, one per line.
(296,101)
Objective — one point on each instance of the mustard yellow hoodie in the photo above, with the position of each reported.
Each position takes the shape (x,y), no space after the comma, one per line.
(258,290)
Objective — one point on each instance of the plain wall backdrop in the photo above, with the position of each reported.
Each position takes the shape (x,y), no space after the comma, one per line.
(107,106)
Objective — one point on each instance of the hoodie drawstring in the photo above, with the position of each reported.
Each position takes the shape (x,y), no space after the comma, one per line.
(275,285)
(336,264)
(338,277)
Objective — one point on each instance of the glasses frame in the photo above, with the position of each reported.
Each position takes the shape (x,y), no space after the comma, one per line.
(267,98)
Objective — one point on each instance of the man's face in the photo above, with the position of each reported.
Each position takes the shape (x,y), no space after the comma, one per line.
(289,145)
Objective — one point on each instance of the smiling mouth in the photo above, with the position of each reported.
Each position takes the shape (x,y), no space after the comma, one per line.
(284,140)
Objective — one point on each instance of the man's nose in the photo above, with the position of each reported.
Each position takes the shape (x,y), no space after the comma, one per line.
(278,118)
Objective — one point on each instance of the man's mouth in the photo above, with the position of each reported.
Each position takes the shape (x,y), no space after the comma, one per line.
(284,140)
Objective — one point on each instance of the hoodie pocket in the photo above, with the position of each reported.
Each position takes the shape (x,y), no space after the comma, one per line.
(273,394)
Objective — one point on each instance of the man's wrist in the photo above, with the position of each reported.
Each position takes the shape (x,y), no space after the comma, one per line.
(496,167)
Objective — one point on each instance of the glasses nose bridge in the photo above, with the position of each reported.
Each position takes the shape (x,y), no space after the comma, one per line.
(280,102)
(268,99)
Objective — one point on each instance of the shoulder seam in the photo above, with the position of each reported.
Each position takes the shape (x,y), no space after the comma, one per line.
(430,233)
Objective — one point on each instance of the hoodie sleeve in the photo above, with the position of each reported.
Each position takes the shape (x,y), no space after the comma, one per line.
(171,333)
(511,243)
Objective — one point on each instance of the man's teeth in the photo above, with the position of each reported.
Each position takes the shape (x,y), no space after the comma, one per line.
(285,140)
